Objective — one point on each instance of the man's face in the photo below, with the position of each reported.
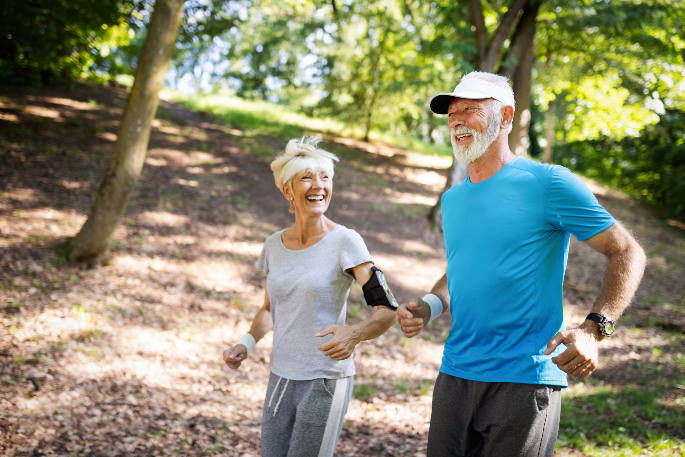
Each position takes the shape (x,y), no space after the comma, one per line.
(473,126)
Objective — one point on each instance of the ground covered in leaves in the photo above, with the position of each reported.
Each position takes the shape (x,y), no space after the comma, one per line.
(124,360)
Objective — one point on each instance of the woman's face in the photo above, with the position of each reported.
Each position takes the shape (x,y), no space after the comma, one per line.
(311,192)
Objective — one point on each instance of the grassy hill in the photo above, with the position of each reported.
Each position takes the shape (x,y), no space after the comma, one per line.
(125,359)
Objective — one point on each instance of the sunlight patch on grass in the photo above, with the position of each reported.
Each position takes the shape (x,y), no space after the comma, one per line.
(156,161)
(9,117)
(412,413)
(42,111)
(167,156)
(408,198)
(24,195)
(606,420)
(242,248)
(397,264)
(251,117)
(71,103)
(52,325)
(256,116)
(107,136)
(163,218)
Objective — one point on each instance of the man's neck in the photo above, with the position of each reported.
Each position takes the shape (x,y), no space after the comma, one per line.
(492,160)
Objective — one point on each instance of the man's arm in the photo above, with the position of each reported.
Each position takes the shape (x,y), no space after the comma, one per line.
(415,315)
(624,271)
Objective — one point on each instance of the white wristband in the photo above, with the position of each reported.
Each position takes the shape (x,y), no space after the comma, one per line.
(248,341)
(435,305)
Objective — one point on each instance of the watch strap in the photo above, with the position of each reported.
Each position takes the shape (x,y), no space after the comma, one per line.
(604,324)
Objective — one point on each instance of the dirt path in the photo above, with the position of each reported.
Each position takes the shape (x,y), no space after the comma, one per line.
(125,359)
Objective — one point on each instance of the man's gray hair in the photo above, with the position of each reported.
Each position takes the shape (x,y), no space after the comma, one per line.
(497,111)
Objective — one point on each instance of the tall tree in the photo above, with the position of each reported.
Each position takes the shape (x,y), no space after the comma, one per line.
(91,244)
(507,50)
(518,66)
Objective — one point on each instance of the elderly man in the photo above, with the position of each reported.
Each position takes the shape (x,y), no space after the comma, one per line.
(507,230)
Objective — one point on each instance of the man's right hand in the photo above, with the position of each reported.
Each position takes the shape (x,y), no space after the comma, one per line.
(235,355)
(413,316)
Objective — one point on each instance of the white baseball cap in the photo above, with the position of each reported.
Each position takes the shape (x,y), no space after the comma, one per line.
(475,85)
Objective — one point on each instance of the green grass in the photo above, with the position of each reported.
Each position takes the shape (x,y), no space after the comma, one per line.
(255,118)
(364,392)
(258,118)
(644,417)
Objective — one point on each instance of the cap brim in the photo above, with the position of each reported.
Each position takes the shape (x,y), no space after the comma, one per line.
(441,102)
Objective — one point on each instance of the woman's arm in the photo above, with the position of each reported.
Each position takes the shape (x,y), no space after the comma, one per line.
(261,325)
(346,337)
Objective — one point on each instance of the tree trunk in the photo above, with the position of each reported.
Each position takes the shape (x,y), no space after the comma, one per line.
(524,40)
(549,133)
(456,174)
(91,244)
(479,29)
(369,114)
(488,61)
(488,56)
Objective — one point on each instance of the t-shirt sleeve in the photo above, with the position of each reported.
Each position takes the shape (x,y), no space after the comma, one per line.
(572,207)
(263,261)
(353,251)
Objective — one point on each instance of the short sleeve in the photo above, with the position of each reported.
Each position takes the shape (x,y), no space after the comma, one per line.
(353,251)
(263,261)
(572,207)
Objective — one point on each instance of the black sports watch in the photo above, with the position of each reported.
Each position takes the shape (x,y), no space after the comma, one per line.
(605,325)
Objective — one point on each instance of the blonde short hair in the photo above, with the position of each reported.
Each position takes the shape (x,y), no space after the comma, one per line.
(301,156)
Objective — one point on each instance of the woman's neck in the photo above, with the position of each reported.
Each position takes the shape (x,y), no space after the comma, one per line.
(308,230)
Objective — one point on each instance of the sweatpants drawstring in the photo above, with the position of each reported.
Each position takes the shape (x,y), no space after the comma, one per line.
(274,391)
(278,404)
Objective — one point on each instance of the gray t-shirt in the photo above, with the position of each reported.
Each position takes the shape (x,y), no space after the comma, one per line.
(308,290)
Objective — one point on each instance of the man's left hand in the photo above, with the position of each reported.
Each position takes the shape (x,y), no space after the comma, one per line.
(341,345)
(581,356)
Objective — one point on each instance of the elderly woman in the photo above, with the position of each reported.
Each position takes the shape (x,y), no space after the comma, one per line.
(309,269)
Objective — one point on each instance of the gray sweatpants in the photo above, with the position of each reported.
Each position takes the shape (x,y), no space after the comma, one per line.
(303,418)
(493,419)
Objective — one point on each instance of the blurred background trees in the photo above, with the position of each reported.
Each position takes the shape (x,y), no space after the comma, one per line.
(601,84)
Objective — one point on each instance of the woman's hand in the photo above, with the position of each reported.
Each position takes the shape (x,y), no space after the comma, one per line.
(235,355)
(341,346)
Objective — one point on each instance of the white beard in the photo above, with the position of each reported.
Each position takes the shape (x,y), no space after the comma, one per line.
(481,141)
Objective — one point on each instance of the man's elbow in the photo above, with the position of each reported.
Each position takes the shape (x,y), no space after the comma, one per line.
(639,257)
(632,255)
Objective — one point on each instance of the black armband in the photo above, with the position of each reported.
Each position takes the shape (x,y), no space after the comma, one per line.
(377,292)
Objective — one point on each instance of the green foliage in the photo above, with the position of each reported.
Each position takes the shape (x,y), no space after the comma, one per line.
(650,167)
(609,66)
(54,41)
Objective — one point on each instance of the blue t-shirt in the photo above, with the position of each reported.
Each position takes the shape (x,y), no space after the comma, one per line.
(506,241)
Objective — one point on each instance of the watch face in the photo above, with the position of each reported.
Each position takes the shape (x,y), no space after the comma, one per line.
(608,328)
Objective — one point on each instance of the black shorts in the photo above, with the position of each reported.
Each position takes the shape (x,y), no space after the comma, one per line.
(493,419)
